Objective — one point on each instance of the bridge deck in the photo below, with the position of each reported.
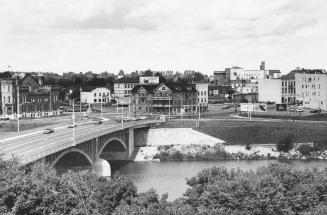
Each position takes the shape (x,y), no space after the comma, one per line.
(34,147)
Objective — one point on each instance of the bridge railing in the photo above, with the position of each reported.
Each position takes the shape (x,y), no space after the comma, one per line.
(26,159)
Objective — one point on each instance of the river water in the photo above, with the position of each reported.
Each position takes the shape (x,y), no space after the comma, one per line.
(169,176)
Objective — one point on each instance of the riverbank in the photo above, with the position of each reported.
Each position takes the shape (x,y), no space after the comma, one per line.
(243,132)
(217,152)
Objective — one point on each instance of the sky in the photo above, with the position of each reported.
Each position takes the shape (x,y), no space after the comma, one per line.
(206,36)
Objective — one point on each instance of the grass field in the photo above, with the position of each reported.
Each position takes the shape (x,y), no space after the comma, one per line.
(254,132)
(11,126)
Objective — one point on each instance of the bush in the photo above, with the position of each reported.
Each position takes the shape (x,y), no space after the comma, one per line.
(275,189)
(248,146)
(286,143)
(306,149)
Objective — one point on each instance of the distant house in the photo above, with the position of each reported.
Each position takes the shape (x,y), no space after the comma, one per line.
(218,94)
(95,95)
(164,98)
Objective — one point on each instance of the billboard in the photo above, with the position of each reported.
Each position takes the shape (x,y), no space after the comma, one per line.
(281,107)
(260,107)
(149,80)
(246,107)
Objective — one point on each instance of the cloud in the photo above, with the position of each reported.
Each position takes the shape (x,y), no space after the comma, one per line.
(64,34)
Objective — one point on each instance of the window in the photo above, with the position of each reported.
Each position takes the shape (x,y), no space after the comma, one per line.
(99,94)
(163,88)
(95,95)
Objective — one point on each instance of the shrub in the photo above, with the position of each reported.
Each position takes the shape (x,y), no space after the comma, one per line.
(285,144)
(248,146)
(306,149)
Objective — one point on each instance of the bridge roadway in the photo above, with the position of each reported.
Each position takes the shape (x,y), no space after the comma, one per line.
(29,148)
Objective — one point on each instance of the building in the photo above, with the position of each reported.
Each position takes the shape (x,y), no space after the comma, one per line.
(164,98)
(8,95)
(219,94)
(238,73)
(34,98)
(95,95)
(203,94)
(123,88)
(311,88)
(220,78)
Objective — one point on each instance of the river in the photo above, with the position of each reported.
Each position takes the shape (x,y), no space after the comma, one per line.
(169,176)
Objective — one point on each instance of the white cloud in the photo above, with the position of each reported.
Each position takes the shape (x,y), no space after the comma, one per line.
(61,35)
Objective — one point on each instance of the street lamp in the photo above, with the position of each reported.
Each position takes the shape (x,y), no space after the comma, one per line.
(73,117)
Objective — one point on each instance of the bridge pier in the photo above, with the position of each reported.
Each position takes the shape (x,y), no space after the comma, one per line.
(99,151)
(102,168)
(130,142)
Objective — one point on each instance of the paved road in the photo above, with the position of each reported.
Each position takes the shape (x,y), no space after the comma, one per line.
(26,146)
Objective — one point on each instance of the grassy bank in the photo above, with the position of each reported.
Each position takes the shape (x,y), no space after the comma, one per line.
(11,126)
(313,117)
(245,132)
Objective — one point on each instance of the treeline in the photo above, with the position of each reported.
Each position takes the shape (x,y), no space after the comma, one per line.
(71,79)
(275,189)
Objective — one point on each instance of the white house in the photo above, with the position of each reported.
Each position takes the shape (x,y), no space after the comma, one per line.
(202,90)
(95,95)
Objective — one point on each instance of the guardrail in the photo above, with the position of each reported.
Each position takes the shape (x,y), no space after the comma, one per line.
(26,159)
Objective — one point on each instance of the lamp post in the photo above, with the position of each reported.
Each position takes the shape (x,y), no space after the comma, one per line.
(80,102)
(17,107)
(101,105)
(73,117)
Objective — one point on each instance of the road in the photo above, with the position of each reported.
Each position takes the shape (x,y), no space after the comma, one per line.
(26,146)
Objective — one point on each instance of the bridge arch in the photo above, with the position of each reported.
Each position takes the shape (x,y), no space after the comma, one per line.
(71,150)
(121,146)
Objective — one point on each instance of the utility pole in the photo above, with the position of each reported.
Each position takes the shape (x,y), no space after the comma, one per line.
(129,106)
(73,117)
(122,116)
(101,104)
(50,101)
(80,102)
(17,106)
(169,107)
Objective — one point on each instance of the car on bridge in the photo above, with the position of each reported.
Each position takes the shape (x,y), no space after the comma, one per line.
(48,131)
(98,122)
(72,125)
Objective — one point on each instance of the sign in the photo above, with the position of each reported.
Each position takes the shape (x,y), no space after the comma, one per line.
(281,107)
(260,107)
(246,107)
(149,80)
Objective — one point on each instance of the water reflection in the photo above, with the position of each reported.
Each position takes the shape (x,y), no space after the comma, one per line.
(169,176)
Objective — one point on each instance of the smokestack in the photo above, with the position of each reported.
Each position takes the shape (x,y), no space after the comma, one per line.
(263,65)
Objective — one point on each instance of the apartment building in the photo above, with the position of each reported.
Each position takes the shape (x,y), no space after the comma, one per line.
(203,95)
(164,98)
(123,88)
(311,88)
(34,98)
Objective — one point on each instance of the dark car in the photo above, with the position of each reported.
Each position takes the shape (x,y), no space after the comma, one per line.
(98,122)
(48,131)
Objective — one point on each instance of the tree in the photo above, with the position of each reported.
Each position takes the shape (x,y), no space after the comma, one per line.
(285,144)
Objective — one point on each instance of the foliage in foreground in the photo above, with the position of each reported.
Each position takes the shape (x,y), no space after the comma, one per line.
(42,191)
(275,189)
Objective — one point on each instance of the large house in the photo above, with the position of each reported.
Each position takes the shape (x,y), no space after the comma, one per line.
(123,88)
(35,98)
(164,98)
(95,95)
